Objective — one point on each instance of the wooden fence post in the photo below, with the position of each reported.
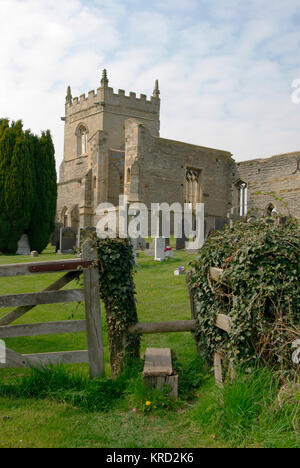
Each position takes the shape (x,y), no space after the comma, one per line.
(93,312)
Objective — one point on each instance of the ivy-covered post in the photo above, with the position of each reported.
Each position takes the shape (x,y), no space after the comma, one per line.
(117,290)
(93,312)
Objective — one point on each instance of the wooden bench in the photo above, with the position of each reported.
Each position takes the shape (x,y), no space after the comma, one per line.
(158,370)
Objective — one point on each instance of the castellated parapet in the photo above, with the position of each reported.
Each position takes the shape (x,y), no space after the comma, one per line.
(107,96)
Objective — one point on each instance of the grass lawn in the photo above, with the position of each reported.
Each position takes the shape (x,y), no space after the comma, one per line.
(50,422)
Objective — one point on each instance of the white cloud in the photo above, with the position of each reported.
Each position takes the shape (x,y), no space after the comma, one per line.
(225,67)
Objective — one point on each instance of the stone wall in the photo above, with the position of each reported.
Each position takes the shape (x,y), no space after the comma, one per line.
(158,169)
(279,175)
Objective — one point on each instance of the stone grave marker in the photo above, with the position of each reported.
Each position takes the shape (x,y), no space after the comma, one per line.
(83,234)
(220,223)
(160,243)
(233,216)
(169,252)
(23,246)
(55,236)
(67,240)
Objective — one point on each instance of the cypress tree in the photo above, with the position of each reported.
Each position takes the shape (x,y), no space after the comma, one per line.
(7,144)
(44,207)
(28,190)
(19,190)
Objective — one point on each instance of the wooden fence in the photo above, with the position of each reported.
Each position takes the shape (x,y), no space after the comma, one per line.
(54,294)
(222,321)
(92,323)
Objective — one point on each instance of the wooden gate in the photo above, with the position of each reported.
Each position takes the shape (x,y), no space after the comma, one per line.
(54,294)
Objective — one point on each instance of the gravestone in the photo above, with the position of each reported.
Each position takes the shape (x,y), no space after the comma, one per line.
(134,243)
(220,223)
(179,271)
(55,236)
(181,241)
(67,240)
(138,243)
(23,246)
(83,234)
(160,243)
(169,252)
(233,216)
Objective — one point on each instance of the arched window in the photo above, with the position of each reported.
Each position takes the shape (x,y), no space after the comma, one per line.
(128,175)
(241,198)
(64,218)
(271,210)
(81,140)
(75,217)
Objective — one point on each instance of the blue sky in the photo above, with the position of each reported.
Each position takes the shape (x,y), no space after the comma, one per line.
(225,67)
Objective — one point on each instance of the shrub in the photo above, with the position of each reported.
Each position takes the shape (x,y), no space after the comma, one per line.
(260,291)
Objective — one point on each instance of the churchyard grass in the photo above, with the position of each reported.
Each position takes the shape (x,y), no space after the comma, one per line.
(63,409)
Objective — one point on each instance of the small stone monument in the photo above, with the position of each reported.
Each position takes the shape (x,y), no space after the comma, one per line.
(67,240)
(83,234)
(179,271)
(23,246)
(160,244)
(169,252)
(34,253)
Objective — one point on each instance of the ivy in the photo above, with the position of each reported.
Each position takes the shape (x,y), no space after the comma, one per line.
(260,291)
(117,290)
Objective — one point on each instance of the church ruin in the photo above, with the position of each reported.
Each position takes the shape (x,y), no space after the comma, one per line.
(112,146)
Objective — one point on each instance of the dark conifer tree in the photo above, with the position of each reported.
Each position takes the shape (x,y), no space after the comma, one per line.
(44,207)
(19,190)
(28,188)
(7,144)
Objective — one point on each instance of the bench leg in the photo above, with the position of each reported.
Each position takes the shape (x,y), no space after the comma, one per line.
(162,380)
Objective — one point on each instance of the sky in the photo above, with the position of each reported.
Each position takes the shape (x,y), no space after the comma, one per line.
(225,67)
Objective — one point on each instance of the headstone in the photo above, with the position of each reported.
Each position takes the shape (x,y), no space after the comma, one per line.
(220,223)
(160,244)
(179,271)
(139,243)
(67,240)
(134,245)
(83,234)
(169,252)
(233,216)
(55,236)
(180,243)
(23,246)
(34,253)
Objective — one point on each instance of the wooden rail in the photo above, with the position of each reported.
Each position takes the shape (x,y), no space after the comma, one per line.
(222,321)
(53,294)
(59,284)
(22,269)
(40,298)
(46,328)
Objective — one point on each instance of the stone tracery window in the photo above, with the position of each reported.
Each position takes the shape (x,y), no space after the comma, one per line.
(192,186)
(241,198)
(82,140)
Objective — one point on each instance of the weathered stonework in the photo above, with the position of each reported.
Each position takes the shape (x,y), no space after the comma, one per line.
(112,147)
(273,181)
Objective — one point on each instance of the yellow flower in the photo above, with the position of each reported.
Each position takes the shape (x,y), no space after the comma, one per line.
(148,403)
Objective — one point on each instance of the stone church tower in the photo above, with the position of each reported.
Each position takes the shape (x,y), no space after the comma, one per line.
(93,168)
(112,146)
